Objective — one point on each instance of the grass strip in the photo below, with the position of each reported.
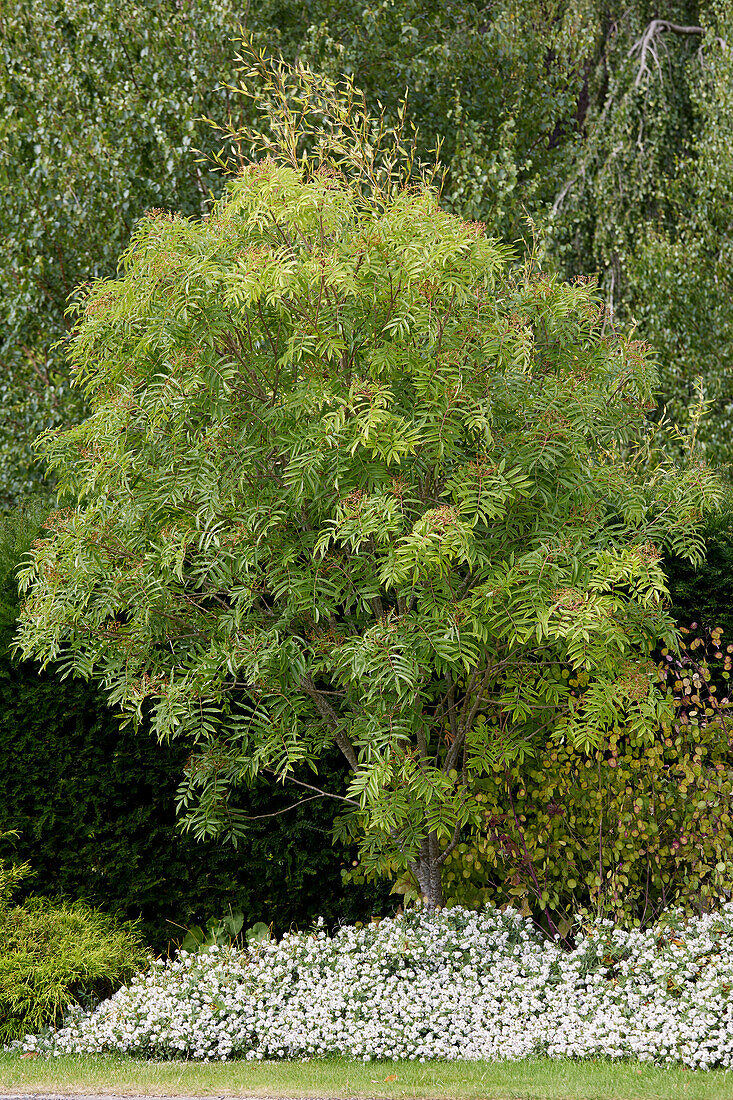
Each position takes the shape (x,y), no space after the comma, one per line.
(532,1079)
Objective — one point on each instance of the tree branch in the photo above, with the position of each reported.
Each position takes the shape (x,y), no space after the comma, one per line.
(646,46)
(326,711)
(284,810)
(309,787)
(452,705)
(451,757)
(451,847)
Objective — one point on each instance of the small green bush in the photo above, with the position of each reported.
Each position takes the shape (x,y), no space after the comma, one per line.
(54,955)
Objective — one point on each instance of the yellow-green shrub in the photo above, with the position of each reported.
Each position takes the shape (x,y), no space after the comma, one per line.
(52,956)
(10,873)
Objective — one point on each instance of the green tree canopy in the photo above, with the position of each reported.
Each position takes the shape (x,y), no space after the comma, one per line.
(346,480)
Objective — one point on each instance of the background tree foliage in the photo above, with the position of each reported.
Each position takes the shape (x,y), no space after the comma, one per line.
(99,104)
(647,202)
(493,83)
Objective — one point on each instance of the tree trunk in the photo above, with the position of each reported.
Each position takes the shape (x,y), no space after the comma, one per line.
(427,869)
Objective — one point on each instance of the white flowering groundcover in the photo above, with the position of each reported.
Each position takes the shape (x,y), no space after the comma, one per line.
(453,984)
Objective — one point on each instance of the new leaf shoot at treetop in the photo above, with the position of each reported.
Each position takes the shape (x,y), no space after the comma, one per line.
(348,478)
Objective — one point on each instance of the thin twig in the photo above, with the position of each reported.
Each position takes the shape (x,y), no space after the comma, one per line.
(310,787)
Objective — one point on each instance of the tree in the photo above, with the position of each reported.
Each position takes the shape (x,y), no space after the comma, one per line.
(348,481)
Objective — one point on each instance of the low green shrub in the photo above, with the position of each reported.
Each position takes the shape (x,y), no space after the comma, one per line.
(56,955)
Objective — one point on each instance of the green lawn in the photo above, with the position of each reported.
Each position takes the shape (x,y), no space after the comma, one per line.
(537,1079)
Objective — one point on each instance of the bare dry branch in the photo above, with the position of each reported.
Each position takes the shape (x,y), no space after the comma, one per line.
(320,793)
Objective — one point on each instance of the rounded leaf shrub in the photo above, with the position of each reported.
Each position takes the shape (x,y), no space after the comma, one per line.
(448,984)
(629,830)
